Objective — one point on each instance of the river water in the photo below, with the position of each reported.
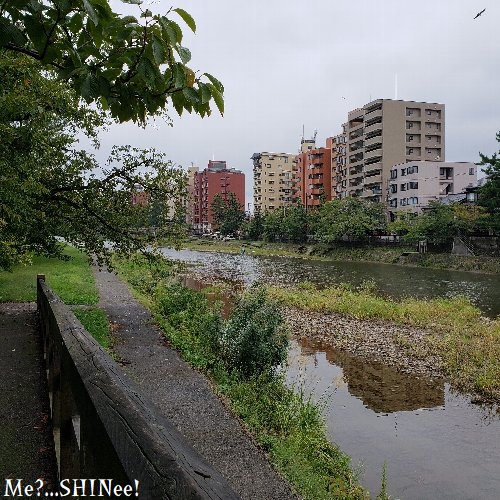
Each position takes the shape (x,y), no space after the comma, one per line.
(435,444)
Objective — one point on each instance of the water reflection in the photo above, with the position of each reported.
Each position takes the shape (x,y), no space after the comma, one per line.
(435,443)
(381,388)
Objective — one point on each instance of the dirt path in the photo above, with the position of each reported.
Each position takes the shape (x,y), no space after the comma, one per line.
(185,397)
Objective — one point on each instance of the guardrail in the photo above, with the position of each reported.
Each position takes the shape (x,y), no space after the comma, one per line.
(105,429)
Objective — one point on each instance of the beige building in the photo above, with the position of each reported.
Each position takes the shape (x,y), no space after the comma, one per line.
(415,184)
(384,133)
(272,180)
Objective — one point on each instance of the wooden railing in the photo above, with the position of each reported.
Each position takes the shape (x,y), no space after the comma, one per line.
(104,428)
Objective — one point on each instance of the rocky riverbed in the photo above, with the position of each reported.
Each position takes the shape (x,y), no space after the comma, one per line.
(406,348)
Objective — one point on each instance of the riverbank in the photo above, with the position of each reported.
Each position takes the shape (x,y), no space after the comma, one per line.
(288,426)
(388,255)
(441,337)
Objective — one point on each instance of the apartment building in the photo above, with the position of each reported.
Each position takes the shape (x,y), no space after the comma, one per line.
(214,180)
(313,174)
(190,206)
(272,180)
(415,184)
(384,133)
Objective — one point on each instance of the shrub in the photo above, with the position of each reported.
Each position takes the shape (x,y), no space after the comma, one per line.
(254,339)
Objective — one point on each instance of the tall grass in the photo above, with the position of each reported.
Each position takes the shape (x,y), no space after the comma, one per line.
(468,343)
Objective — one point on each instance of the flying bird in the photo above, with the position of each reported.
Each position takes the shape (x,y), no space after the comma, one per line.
(479,13)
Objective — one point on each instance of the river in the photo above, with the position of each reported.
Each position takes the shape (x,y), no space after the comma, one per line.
(435,443)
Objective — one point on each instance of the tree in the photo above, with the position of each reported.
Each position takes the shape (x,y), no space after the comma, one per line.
(254,227)
(351,218)
(134,67)
(50,191)
(489,193)
(295,223)
(273,226)
(228,214)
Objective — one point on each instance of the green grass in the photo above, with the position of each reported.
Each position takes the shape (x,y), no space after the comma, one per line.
(72,280)
(468,343)
(96,323)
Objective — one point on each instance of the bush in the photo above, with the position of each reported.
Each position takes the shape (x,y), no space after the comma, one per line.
(254,340)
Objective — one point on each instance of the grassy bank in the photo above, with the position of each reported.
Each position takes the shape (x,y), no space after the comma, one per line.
(289,427)
(468,343)
(71,279)
(386,255)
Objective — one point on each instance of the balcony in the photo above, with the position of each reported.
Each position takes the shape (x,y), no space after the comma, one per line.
(373,167)
(373,141)
(376,126)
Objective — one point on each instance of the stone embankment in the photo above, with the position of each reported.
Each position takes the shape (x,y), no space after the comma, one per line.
(403,347)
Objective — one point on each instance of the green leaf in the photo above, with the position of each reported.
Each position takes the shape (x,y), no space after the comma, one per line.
(148,71)
(179,76)
(206,95)
(10,33)
(184,53)
(172,30)
(217,96)
(178,102)
(89,87)
(191,95)
(218,85)
(89,9)
(187,18)
(159,50)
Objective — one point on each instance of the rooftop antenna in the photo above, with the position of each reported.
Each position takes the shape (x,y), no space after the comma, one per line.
(396,87)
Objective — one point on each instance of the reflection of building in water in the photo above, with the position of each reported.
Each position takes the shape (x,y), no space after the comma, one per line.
(381,387)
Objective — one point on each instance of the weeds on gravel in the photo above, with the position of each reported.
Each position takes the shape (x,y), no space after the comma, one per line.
(468,343)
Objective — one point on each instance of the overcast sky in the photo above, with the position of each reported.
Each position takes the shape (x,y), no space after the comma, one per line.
(289,64)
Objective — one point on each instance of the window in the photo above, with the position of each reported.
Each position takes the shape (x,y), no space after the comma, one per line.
(403,171)
(286,159)
(393,203)
(410,138)
(403,187)
(410,151)
(429,112)
(410,125)
(413,185)
(403,202)
(394,188)
(413,169)
(409,112)
(394,173)
(471,170)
